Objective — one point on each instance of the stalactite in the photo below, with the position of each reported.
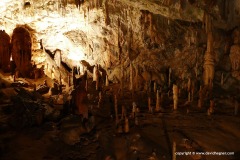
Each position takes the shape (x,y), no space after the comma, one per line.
(107,19)
(207,19)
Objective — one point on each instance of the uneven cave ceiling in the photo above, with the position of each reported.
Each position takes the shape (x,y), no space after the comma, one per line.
(78,31)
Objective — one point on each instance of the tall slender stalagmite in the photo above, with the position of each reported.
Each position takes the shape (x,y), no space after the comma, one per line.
(209,54)
(131,76)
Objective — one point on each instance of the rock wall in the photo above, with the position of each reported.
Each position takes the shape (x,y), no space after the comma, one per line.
(4,51)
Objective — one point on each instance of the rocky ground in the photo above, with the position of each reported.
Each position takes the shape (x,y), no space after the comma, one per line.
(61,135)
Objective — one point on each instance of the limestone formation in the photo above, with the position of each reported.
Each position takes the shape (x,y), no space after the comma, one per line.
(209,62)
(126,126)
(175,97)
(4,51)
(106,81)
(200,97)
(80,100)
(158,105)
(95,70)
(58,57)
(22,50)
(235,54)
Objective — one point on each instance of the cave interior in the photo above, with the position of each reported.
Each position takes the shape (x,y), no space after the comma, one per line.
(119,79)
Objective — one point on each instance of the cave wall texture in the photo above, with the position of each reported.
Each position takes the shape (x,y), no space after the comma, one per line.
(4,50)
(151,35)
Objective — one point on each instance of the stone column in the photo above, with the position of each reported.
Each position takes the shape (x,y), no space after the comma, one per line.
(175,97)
(158,107)
(209,62)
(126,126)
(94,73)
(131,77)
(174,151)
(200,98)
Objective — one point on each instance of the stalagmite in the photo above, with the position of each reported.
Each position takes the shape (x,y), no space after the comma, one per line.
(174,151)
(175,97)
(131,76)
(211,108)
(122,79)
(235,54)
(126,126)
(209,54)
(116,108)
(158,107)
(200,98)
(169,77)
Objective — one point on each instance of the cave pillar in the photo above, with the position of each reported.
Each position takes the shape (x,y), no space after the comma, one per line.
(209,62)
(22,50)
(131,76)
(235,54)
(175,97)
(200,98)
(4,51)
(58,57)
(158,105)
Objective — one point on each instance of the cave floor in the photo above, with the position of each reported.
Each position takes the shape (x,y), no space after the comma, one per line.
(153,138)
(155,133)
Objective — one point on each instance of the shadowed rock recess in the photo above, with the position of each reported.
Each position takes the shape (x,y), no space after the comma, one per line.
(119,79)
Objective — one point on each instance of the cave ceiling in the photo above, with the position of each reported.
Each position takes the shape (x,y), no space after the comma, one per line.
(78,31)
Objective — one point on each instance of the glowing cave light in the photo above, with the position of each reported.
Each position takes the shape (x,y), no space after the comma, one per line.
(76,54)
